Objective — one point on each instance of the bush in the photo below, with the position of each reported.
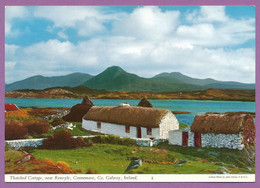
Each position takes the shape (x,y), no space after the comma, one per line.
(37,127)
(63,140)
(17,114)
(57,121)
(14,130)
(112,139)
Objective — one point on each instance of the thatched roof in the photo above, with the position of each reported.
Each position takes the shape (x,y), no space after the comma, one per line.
(220,123)
(127,115)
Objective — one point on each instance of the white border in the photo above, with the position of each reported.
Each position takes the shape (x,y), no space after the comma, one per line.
(130,178)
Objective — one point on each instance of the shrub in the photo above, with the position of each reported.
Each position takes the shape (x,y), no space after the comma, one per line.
(63,140)
(57,121)
(17,114)
(37,127)
(49,167)
(14,130)
(112,139)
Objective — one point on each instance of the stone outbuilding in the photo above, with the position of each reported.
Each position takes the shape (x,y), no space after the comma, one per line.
(229,130)
(130,121)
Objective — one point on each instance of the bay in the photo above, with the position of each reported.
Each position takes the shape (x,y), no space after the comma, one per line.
(193,106)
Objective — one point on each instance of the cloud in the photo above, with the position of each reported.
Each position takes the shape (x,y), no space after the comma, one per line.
(208,14)
(153,40)
(151,58)
(11,13)
(87,20)
(147,23)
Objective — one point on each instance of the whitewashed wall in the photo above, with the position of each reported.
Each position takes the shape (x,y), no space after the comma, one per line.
(169,122)
(119,130)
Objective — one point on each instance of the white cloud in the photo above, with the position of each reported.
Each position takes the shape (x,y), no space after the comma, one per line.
(208,14)
(11,13)
(148,23)
(87,20)
(153,40)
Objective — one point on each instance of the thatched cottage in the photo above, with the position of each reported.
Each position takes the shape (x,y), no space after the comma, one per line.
(230,130)
(130,121)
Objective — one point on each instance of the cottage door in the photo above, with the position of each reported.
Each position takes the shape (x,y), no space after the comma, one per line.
(197,139)
(139,133)
(185,138)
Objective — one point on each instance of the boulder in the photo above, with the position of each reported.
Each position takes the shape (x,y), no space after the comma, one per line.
(134,164)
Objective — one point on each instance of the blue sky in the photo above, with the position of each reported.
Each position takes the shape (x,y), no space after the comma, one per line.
(208,41)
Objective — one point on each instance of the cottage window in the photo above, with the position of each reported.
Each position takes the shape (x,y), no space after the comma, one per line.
(99,125)
(127,129)
(149,131)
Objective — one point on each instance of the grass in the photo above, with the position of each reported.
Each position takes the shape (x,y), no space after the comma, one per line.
(114,159)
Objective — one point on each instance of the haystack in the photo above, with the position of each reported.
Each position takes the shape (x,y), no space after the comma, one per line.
(78,111)
(127,115)
(145,103)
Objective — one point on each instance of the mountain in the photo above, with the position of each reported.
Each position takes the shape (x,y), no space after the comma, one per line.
(41,82)
(205,83)
(116,79)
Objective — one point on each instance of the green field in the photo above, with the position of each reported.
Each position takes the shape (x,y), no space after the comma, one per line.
(114,159)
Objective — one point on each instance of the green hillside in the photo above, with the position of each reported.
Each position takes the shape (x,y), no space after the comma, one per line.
(41,82)
(116,79)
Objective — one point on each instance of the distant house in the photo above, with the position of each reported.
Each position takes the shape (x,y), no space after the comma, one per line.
(230,130)
(11,107)
(130,121)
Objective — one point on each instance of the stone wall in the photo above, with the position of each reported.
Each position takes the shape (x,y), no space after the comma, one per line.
(30,142)
(231,141)
(168,122)
(25,143)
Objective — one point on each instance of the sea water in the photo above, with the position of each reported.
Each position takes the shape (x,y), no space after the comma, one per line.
(194,107)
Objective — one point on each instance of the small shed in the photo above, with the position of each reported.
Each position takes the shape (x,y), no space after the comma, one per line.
(11,107)
(130,121)
(229,130)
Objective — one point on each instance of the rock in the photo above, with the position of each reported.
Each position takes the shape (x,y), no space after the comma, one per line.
(222,170)
(181,161)
(145,103)
(134,164)
(25,159)
(86,100)
(178,165)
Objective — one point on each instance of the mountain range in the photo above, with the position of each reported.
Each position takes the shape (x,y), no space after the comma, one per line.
(116,79)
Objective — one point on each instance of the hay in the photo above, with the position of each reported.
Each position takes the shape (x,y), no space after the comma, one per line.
(220,123)
(127,115)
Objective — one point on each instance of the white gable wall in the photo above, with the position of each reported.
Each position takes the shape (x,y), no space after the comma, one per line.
(119,130)
(169,122)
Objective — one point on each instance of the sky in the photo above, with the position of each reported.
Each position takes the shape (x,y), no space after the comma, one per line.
(202,42)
